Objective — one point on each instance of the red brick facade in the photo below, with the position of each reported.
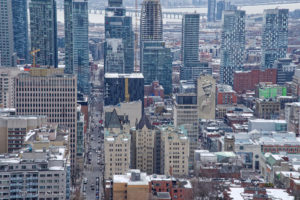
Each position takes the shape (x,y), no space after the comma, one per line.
(244,81)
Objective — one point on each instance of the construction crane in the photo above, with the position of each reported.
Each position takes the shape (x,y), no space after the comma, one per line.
(33,53)
(127,95)
(136,67)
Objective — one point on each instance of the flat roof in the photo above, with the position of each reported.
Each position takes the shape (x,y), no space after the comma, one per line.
(116,75)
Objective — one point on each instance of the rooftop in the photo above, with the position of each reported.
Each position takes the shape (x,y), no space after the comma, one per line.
(116,75)
(132,177)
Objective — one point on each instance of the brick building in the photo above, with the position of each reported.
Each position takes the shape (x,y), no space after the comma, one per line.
(225,95)
(244,81)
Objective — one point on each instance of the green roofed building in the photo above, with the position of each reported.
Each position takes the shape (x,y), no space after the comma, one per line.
(267,91)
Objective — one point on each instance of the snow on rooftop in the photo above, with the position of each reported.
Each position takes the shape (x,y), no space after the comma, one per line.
(236,193)
(291,174)
(144,179)
(29,135)
(279,194)
(155,177)
(10,160)
(267,121)
(56,168)
(110,139)
(116,75)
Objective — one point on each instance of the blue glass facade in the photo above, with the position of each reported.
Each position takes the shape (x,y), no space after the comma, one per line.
(43,31)
(211,11)
(190,38)
(274,36)
(157,64)
(77,42)
(191,71)
(119,26)
(20,27)
(116,87)
(6,34)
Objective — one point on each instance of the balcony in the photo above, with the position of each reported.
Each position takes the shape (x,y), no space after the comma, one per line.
(16,179)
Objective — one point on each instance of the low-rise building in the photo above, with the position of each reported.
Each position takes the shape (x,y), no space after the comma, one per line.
(13,130)
(267,125)
(132,185)
(247,80)
(269,90)
(217,164)
(226,95)
(36,174)
(292,111)
(267,109)
(137,185)
(180,189)
(223,109)
(285,70)
(46,136)
(155,89)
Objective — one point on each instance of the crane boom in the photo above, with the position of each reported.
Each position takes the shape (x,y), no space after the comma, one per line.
(33,53)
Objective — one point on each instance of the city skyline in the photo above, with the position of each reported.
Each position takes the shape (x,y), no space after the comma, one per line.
(149,99)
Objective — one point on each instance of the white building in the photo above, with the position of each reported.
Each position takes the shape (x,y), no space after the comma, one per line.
(267,125)
(35,174)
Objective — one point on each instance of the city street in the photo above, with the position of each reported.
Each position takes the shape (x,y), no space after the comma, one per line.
(92,186)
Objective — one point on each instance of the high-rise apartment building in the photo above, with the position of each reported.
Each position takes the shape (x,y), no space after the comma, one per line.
(114,58)
(232,45)
(211,10)
(191,67)
(123,88)
(119,26)
(190,38)
(43,31)
(155,58)
(77,42)
(20,27)
(157,64)
(52,93)
(220,9)
(274,36)
(7,57)
(223,5)
(151,25)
